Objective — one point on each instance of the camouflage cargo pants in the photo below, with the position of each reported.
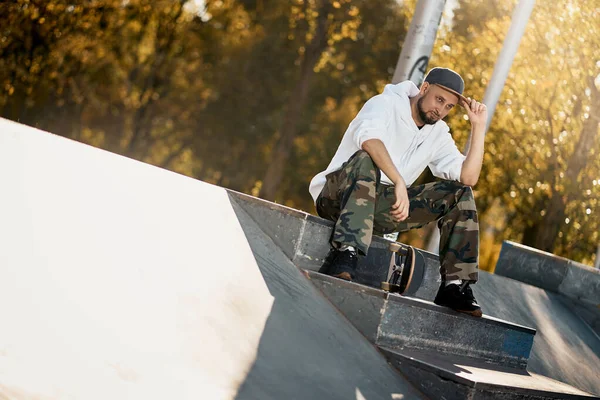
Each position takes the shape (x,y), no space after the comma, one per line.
(360,205)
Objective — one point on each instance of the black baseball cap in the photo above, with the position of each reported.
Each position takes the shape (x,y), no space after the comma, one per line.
(447,79)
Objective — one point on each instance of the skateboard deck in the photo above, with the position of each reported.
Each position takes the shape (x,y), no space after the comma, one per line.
(401,268)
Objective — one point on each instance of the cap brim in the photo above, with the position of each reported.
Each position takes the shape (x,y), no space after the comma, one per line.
(454,92)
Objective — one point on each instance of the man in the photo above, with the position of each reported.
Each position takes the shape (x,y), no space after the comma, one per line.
(367,186)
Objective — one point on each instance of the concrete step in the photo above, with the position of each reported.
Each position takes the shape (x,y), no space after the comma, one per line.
(400,322)
(458,378)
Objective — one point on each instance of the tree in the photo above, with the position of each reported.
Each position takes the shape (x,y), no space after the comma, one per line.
(322,23)
(540,165)
(118,75)
(246,93)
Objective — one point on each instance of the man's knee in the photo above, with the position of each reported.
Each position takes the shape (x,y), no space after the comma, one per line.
(362,162)
(363,157)
(466,200)
(467,192)
(455,186)
(463,194)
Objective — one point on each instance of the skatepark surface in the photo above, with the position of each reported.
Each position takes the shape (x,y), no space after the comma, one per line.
(565,347)
(122,280)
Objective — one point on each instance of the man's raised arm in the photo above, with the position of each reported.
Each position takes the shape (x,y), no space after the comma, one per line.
(471,168)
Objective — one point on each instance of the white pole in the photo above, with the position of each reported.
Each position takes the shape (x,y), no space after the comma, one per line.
(419,41)
(520,17)
(417,47)
(597,263)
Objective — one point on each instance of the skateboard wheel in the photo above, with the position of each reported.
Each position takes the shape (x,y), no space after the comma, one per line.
(390,287)
(395,247)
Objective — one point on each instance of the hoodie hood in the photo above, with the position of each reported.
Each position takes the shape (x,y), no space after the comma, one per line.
(406,88)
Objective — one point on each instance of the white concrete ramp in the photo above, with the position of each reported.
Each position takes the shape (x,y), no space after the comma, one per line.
(115,278)
(119,280)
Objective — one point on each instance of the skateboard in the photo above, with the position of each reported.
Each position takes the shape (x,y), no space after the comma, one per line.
(401,269)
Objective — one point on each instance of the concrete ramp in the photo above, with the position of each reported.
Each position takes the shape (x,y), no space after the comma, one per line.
(565,348)
(108,283)
(308,350)
(122,280)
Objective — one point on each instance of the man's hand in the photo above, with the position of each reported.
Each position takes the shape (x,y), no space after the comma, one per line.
(476,111)
(401,207)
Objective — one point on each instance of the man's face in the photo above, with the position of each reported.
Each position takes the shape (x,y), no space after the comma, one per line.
(435,103)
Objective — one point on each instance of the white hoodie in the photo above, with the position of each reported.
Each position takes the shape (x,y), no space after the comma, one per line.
(388,117)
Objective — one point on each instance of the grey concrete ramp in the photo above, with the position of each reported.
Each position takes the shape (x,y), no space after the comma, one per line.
(308,350)
(578,284)
(565,347)
(446,354)
(456,378)
(576,281)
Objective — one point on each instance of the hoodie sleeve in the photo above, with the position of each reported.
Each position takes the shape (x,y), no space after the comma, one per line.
(448,160)
(372,122)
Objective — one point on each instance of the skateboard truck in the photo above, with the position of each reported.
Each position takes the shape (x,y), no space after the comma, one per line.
(401,268)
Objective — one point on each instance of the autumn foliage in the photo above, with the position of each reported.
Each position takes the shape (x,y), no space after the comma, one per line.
(254,95)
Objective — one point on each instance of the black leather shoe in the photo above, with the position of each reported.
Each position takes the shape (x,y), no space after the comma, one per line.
(340,264)
(459,298)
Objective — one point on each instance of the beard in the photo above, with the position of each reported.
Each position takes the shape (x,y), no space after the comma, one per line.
(423,115)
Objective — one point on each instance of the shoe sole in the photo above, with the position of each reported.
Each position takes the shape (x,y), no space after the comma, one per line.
(343,275)
(475,313)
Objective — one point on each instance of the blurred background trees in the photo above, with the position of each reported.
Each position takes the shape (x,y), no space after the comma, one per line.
(541,168)
(254,95)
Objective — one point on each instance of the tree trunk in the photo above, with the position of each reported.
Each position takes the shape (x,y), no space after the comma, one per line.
(547,230)
(140,142)
(296,103)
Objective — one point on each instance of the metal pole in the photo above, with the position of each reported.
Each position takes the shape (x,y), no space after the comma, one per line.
(419,41)
(520,17)
(417,47)
(597,263)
